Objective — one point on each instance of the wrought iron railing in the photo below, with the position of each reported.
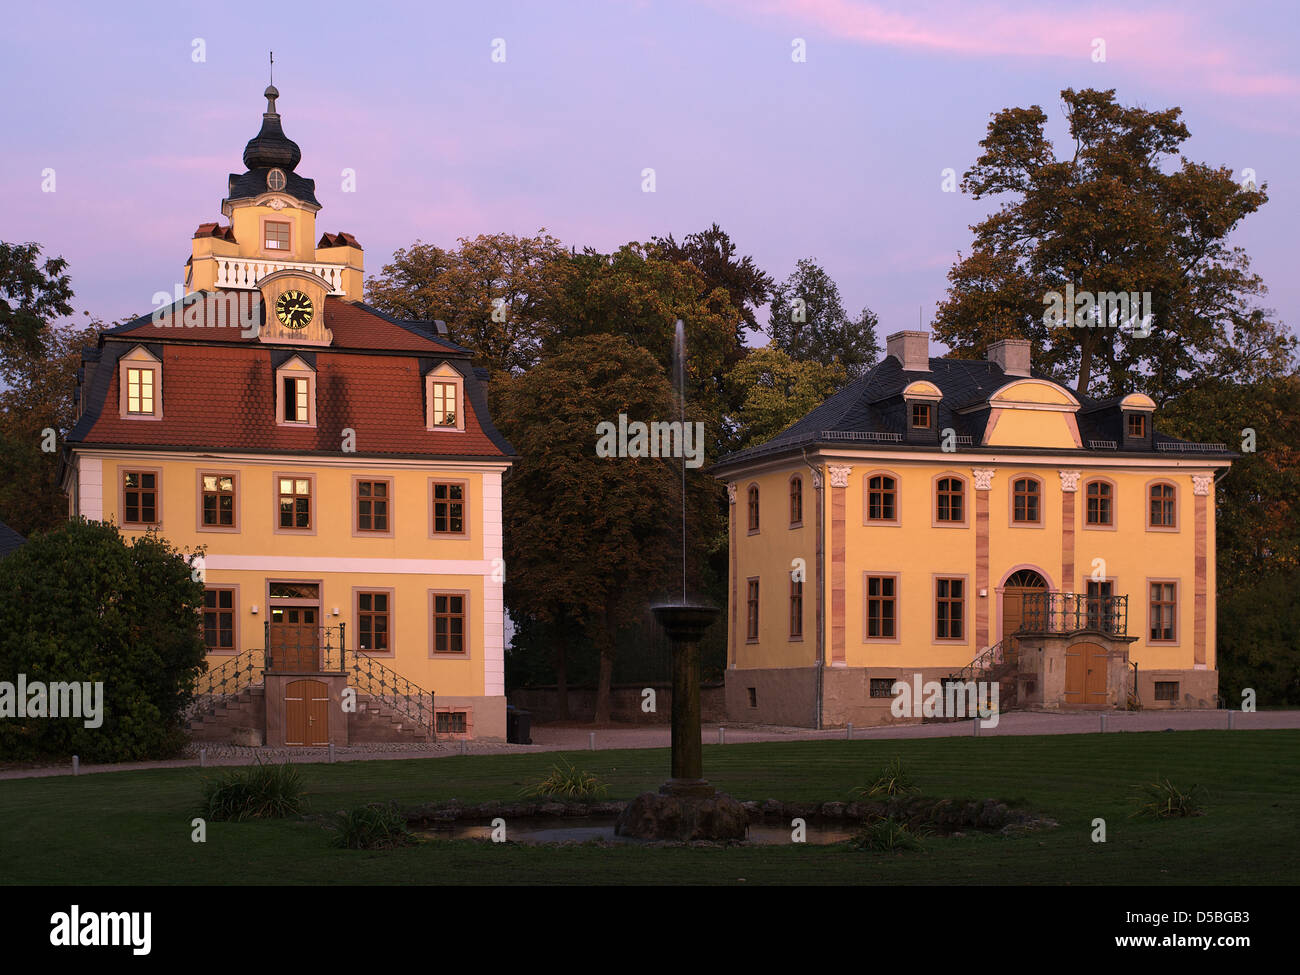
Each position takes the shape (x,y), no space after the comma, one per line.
(1191,448)
(982,664)
(226,681)
(1073,612)
(305,649)
(388,687)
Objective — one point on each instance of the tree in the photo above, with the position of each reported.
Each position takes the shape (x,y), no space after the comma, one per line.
(775,391)
(31,293)
(713,254)
(808,322)
(1258,631)
(1105,221)
(36,413)
(590,537)
(82,604)
(494,292)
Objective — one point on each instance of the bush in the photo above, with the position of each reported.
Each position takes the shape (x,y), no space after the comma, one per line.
(375,826)
(258,792)
(81,605)
(894,780)
(1162,799)
(886,835)
(567,783)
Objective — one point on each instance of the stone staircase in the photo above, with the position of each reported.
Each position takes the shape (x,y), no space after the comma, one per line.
(240,719)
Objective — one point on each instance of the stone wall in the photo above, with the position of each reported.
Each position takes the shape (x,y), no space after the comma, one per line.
(543,703)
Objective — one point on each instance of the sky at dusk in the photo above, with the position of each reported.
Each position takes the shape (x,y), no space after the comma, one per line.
(839,157)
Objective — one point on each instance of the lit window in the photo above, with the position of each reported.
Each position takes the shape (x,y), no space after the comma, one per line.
(295,502)
(139,391)
(444,404)
(296,399)
(218,502)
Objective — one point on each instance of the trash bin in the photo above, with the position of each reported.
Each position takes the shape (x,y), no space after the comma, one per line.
(518,726)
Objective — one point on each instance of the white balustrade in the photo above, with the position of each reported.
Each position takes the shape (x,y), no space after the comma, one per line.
(245,272)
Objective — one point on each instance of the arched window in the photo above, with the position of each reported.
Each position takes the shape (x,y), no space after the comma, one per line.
(882,498)
(1100,500)
(753,507)
(1162,510)
(1026,498)
(949,497)
(796,501)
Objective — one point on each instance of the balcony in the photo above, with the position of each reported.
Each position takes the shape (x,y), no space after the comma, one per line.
(304,648)
(1071,612)
(243,272)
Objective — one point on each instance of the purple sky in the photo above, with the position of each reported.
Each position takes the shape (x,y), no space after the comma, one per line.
(838,158)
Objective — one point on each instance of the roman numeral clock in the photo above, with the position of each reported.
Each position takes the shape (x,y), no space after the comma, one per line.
(293,308)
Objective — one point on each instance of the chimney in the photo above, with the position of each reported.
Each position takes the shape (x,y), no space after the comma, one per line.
(912,349)
(1011,355)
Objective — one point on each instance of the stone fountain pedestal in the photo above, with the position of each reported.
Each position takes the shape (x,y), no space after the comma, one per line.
(686,807)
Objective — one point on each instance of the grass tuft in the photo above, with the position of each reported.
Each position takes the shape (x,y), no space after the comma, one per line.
(256,792)
(1162,799)
(894,780)
(375,826)
(567,783)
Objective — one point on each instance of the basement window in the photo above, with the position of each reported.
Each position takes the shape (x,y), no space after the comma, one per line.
(882,687)
(753,696)
(1166,690)
(453,723)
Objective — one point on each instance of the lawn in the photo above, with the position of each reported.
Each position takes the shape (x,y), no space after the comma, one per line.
(134,827)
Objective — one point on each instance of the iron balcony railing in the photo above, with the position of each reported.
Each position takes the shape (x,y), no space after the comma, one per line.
(304,649)
(1073,612)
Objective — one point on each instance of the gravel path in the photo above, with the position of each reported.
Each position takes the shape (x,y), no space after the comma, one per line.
(575,737)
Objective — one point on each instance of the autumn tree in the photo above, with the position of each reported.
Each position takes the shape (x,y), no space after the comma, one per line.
(32,293)
(807,320)
(1114,216)
(591,539)
(776,391)
(494,292)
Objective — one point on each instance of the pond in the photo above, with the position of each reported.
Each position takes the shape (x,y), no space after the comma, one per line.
(583,829)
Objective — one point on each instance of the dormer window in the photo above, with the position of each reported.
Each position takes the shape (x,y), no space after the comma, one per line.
(295,394)
(140,385)
(921,416)
(1137,425)
(444,396)
(920,408)
(277,235)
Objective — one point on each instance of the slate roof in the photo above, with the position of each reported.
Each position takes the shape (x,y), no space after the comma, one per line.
(873,404)
(253,183)
(218,391)
(10,540)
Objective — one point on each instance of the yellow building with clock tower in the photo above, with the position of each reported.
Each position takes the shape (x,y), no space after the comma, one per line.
(336,466)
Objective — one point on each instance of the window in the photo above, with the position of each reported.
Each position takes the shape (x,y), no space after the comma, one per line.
(1137,425)
(882,686)
(1163,605)
(796,501)
(217,504)
(275,179)
(1166,690)
(373,622)
(448,622)
(921,416)
(950,492)
(753,696)
(297,390)
(949,609)
(139,391)
(219,620)
(452,723)
(1024,503)
(140,498)
(882,498)
(753,507)
(444,404)
(277,236)
(1100,501)
(1101,615)
(796,610)
(751,611)
(295,502)
(449,508)
(1162,512)
(882,608)
(372,506)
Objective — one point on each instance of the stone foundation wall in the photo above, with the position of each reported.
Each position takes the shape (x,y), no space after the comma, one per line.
(1196,689)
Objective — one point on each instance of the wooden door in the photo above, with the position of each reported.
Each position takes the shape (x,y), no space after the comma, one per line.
(295,638)
(306,713)
(1086,666)
(1018,586)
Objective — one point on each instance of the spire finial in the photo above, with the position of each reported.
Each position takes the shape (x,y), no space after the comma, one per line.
(272,69)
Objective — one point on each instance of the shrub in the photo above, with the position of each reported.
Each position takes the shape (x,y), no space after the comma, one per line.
(886,835)
(1162,799)
(375,826)
(893,780)
(567,783)
(257,792)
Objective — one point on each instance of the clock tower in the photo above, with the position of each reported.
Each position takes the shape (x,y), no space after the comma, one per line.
(270,244)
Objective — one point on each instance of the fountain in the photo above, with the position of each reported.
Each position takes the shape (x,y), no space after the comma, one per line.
(686,807)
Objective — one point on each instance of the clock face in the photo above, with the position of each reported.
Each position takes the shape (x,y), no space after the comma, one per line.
(294,309)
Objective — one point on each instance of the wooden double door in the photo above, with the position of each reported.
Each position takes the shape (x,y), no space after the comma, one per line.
(306,713)
(294,638)
(1086,665)
(1022,584)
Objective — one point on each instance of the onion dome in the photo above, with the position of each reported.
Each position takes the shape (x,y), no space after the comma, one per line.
(271,148)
